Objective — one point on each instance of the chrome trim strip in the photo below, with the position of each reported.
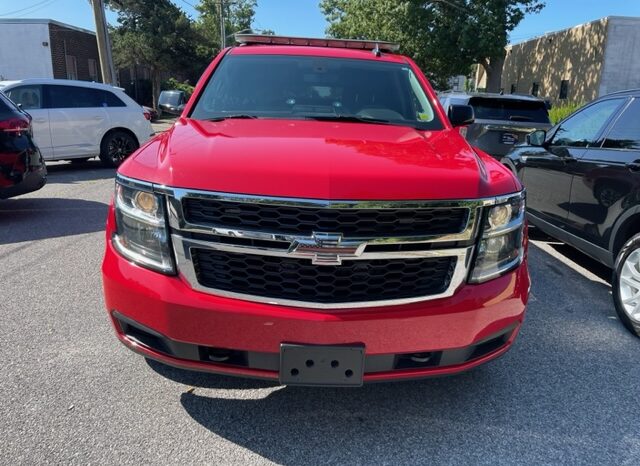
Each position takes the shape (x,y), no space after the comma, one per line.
(126,181)
(182,248)
(180,193)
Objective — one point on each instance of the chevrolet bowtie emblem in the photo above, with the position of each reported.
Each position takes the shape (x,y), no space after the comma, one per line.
(326,248)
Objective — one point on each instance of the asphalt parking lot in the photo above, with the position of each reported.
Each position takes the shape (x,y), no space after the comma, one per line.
(70,393)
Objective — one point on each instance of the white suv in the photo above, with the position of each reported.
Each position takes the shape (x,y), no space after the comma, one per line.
(77,120)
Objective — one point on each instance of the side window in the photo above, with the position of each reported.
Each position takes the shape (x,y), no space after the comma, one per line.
(72,97)
(108,99)
(625,134)
(422,108)
(28,97)
(7,108)
(583,128)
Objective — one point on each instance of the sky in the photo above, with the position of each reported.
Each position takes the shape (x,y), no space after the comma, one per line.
(303,17)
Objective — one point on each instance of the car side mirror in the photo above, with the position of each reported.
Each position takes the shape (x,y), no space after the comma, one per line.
(537,138)
(461,115)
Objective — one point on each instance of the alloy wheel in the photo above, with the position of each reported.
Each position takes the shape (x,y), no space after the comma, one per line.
(629,285)
(119,148)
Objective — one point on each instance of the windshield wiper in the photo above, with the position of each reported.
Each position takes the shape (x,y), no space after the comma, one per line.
(347,118)
(239,116)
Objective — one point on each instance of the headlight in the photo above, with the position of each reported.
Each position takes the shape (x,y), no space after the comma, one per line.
(500,249)
(142,235)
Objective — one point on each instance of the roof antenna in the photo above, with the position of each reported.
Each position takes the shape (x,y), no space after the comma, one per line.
(376,51)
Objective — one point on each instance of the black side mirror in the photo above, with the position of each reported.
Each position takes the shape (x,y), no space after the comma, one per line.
(461,115)
(537,138)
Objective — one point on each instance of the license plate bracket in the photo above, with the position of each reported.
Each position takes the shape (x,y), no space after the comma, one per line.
(321,365)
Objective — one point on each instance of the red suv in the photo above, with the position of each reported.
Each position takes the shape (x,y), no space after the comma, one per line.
(314,217)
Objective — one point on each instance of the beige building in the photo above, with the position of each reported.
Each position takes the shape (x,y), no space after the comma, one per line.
(577,64)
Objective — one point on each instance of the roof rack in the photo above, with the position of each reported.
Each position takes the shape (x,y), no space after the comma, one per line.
(380,46)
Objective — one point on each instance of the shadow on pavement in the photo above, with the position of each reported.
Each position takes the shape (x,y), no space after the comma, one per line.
(549,400)
(573,254)
(205,380)
(65,172)
(28,219)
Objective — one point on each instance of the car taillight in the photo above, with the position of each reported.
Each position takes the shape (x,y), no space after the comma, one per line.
(16,126)
(147,115)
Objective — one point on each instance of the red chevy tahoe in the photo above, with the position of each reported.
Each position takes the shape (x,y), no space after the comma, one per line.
(314,217)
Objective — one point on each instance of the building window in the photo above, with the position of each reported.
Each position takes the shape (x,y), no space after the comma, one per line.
(93,69)
(564,89)
(72,67)
(513,89)
(535,89)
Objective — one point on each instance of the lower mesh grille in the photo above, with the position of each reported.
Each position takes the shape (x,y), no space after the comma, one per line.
(300,280)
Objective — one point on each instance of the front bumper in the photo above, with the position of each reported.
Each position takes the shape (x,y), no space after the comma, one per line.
(162,318)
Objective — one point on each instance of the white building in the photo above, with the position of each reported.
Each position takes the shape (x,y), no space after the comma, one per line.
(44,48)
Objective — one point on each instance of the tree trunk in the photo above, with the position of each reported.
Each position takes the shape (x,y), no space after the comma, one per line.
(494,73)
(155,87)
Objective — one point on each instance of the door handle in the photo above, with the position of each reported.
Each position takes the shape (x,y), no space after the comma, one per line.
(633,166)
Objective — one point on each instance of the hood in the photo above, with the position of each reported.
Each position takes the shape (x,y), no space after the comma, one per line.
(320,160)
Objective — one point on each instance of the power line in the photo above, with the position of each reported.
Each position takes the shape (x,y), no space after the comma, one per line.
(190,4)
(28,8)
(22,15)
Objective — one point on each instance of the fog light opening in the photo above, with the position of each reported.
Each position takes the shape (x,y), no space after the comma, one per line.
(219,354)
(420,358)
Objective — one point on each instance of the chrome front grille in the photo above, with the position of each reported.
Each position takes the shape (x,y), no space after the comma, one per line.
(388,253)
(304,220)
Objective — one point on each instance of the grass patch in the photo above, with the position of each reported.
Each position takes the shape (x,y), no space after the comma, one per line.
(560,112)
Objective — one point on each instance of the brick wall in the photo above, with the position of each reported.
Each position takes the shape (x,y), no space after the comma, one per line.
(78,44)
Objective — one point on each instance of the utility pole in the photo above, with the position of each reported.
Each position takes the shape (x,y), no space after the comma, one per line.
(104,45)
(223,34)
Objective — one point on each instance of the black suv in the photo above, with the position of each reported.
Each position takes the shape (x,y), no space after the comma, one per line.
(501,121)
(583,187)
(22,168)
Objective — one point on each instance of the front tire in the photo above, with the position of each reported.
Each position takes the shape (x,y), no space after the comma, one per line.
(626,285)
(116,146)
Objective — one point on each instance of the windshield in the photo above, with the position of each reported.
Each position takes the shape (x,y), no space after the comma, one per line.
(170,98)
(300,87)
(509,109)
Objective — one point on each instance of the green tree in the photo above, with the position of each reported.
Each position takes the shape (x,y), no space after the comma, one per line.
(238,15)
(445,37)
(156,34)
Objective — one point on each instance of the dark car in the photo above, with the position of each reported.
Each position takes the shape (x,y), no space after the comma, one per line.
(583,187)
(22,168)
(172,102)
(150,114)
(501,121)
